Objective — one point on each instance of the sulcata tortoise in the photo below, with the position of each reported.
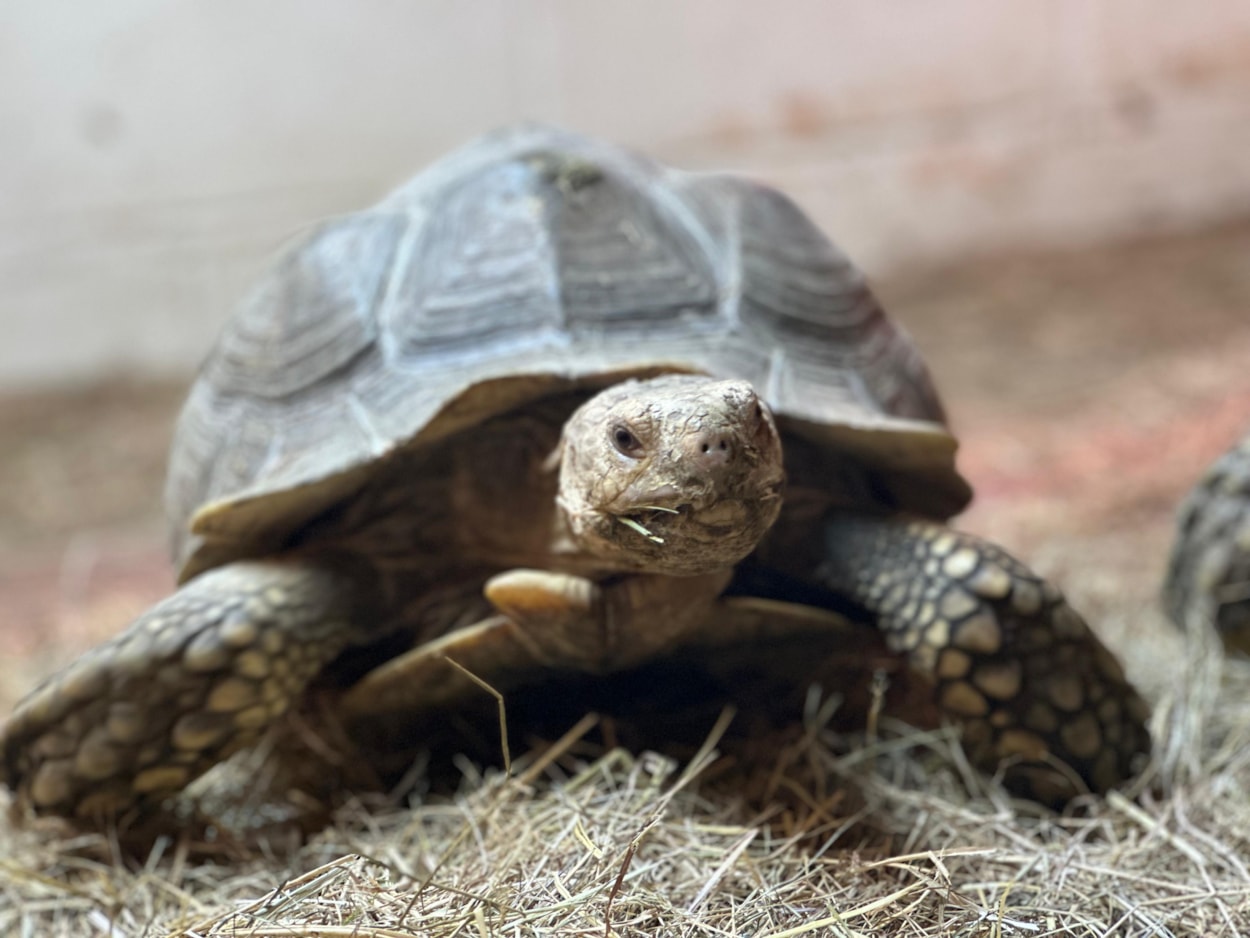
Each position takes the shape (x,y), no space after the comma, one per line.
(1208,579)
(551,408)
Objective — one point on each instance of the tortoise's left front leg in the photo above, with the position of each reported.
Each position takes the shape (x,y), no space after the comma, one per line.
(1032,686)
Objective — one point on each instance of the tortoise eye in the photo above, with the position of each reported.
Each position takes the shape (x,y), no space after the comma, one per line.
(625,441)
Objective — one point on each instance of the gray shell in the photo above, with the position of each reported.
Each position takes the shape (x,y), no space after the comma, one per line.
(531,261)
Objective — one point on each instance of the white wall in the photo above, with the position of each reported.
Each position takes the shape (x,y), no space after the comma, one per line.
(153,154)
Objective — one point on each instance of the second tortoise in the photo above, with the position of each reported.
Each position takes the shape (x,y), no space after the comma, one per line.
(1208,579)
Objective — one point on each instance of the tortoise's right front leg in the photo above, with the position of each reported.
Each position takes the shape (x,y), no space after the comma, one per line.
(195,678)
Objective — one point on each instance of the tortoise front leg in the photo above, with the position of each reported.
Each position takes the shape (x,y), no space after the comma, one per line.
(195,678)
(1033,688)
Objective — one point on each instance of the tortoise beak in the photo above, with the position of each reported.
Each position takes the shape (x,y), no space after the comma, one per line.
(636,498)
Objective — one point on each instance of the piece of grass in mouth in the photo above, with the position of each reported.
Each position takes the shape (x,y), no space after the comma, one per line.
(638,526)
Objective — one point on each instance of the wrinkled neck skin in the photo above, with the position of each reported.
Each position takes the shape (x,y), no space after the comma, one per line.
(679,475)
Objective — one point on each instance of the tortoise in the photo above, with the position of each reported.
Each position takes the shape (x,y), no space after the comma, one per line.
(1208,578)
(552,408)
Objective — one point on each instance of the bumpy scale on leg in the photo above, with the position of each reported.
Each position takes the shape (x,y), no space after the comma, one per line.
(1033,688)
(200,675)
(1209,573)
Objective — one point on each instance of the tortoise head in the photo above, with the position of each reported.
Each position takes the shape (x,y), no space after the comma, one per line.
(680,474)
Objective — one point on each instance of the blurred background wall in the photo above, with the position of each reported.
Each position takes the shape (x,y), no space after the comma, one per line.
(154,153)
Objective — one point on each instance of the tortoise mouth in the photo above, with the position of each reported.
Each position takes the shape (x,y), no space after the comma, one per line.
(653,521)
(677,536)
(687,521)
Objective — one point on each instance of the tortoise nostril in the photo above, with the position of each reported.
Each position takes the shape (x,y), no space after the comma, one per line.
(711,451)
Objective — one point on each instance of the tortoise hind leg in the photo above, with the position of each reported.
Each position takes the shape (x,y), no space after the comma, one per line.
(1013,663)
(198,676)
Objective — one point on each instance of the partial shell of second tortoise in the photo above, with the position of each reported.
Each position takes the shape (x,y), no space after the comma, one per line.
(1208,579)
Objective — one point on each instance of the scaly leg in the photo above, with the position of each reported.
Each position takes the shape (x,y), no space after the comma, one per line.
(200,675)
(1033,688)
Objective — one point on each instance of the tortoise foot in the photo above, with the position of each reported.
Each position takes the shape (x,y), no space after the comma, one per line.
(1037,694)
(193,679)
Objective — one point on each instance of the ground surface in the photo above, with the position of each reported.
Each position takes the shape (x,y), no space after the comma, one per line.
(1089,390)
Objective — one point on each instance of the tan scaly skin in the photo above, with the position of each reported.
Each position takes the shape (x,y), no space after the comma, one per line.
(664,486)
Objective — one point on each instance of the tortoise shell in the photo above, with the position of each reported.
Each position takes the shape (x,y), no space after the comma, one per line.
(531,262)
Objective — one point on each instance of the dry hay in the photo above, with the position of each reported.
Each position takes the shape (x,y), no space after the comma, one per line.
(892,835)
